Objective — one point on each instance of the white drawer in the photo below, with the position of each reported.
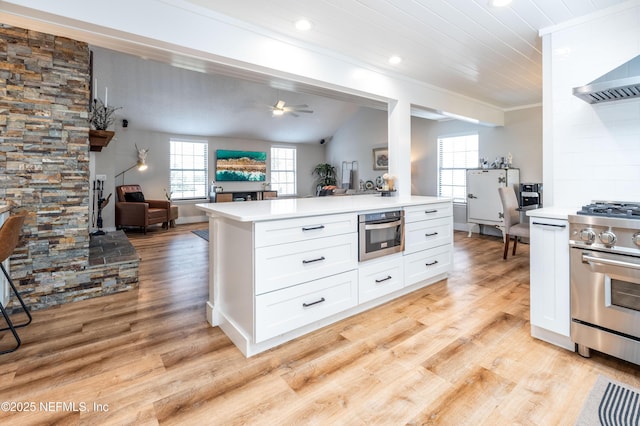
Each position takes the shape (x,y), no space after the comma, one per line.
(281,311)
(301,229)
(427,234)
(379,277)
(285,265)
(426,264)
(427,211)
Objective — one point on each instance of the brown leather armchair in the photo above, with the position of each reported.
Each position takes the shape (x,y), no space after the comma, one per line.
(132,209)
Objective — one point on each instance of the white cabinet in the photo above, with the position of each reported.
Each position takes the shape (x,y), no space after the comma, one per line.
(427,234)
(428,242)
(272,280)
(483,200)
(304,229)
(281,311)
(427,264)
(305,270)
(379,277)
(549,281)
(284,265)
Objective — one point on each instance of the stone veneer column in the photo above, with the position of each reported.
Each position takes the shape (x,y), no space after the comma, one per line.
(44,163)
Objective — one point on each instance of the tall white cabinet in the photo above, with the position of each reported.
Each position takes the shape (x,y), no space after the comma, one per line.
(483,201)
(549,280)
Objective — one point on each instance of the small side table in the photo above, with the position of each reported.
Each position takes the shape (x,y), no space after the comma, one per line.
(173,215)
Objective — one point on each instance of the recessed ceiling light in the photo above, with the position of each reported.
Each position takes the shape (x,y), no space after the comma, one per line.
(395,59)
(303,24)
(500,3)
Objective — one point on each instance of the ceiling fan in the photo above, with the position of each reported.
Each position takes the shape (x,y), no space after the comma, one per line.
(280,109)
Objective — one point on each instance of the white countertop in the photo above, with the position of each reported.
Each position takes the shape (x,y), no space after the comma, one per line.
(284,208)
(553,212)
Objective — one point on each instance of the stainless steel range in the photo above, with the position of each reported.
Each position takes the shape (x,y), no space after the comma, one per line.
(605,279)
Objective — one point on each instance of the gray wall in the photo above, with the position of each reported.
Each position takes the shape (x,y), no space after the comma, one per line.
(355,140)
(521,135)
(121,154)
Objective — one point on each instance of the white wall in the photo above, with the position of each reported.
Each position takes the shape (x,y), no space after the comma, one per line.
(121,153)
(590,151)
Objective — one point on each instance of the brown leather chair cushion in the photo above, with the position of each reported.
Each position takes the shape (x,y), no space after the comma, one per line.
(138,213)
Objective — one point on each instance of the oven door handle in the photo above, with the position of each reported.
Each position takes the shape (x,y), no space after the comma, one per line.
(611,262)
(383,225)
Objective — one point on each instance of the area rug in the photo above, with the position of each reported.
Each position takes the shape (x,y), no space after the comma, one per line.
(202,233)
(610,403)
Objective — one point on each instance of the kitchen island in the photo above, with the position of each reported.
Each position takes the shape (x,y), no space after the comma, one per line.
(283,268)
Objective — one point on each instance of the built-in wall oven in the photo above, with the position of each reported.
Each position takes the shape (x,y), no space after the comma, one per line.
(605,279)
(380,234)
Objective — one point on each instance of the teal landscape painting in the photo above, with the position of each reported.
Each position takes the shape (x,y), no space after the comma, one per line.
(241,165)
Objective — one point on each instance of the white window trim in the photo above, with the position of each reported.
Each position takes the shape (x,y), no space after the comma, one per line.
(295,174)
(438,154)
(208,160)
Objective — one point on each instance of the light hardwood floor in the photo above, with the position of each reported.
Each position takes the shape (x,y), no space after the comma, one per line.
(457,352)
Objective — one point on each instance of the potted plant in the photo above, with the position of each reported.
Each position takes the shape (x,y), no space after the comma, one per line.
(100,118)
(326,177)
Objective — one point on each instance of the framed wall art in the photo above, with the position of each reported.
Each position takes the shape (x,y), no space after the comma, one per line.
(241,165)
(380,158)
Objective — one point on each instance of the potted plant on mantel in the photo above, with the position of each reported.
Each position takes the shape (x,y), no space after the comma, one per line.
(100,118)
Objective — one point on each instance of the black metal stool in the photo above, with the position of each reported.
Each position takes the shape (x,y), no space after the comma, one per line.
(9,236)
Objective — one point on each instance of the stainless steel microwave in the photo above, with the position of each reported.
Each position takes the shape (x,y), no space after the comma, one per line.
(380,234)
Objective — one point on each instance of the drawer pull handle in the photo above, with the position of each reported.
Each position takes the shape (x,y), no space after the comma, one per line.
(549,224)
(430,211)
(306,305)
(431,234)
(432,263)
(384,279)
(312,228)
(313,260)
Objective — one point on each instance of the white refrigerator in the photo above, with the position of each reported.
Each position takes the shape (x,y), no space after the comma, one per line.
(483,201)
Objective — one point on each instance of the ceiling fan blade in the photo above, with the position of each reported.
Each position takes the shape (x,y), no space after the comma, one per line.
(308,111)
(299,106)
(293,113)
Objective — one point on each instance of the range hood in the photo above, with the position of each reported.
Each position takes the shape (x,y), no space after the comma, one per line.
(620,83)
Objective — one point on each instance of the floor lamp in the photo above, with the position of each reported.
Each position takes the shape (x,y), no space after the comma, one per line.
(141,164)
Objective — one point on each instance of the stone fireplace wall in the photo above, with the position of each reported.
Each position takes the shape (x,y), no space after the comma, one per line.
(44,164)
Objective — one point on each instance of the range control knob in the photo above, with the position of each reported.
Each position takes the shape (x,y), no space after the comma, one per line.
(608,238)
(636,238)
(587,235)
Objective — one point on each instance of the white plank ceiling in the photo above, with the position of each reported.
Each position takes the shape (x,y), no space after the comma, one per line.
(466,46)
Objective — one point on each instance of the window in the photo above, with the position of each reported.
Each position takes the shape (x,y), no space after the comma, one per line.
(455,155)
(283,170)
(188,175)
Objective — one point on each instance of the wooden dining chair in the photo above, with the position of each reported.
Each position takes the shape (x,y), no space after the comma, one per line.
(512,225)
(9,237)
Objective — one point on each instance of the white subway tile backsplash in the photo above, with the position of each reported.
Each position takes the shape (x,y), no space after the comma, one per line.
(596,148)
